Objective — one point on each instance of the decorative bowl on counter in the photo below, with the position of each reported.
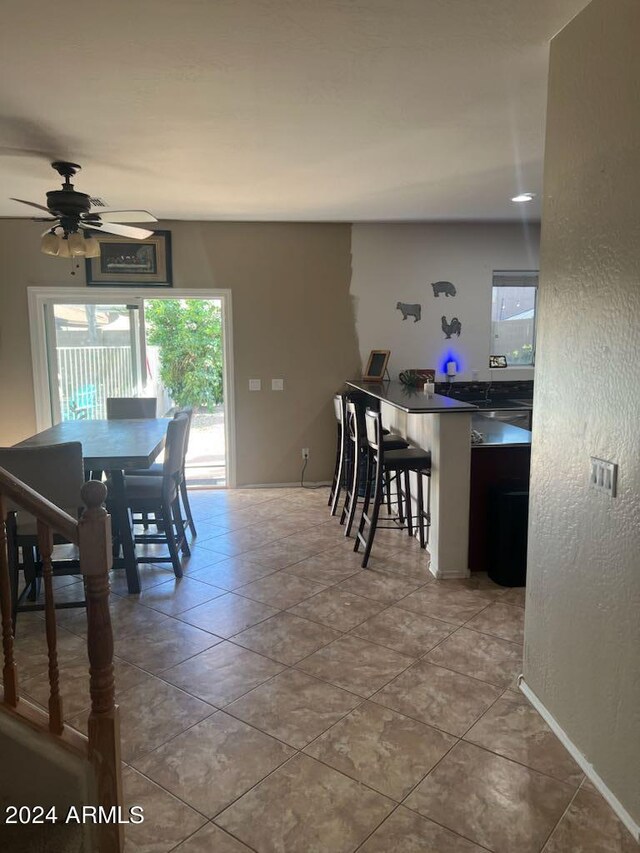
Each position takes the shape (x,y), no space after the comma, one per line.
(416,377)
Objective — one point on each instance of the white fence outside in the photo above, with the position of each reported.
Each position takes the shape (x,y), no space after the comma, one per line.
(90,374)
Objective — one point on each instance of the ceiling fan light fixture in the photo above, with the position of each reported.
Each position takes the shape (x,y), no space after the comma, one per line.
(69,245)
(91,247)
(50,243)
(76,244)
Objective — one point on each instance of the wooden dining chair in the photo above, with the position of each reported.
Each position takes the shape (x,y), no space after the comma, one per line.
(122,408)
(57,473)
(159,496)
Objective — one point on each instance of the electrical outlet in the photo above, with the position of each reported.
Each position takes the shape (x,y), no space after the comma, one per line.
(305,452)
(604,476)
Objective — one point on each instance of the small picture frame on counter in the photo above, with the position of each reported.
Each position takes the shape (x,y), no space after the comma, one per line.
(376,365)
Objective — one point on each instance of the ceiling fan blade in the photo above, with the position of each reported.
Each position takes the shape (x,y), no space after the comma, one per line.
(32,204)
(120,230)
(126,216)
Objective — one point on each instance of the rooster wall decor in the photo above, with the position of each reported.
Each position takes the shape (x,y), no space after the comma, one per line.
(452,328)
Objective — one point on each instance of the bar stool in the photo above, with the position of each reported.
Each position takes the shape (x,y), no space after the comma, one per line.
(357,464)
(338,474)
(401,463)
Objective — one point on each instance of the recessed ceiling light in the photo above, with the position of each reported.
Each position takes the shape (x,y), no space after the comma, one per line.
(524,197)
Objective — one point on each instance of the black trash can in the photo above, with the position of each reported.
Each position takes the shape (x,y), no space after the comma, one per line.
(508,521)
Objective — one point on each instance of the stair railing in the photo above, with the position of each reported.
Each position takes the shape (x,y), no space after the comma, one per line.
(92,535)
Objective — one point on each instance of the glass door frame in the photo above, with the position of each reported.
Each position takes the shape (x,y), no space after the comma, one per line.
(41,297)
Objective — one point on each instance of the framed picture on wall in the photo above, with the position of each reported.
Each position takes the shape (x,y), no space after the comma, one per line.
(142,263)
(377,365)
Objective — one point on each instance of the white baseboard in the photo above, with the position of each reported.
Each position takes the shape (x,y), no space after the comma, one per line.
(449,574)
(580,759)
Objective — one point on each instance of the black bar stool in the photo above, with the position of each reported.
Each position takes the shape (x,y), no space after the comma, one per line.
(339,402)
(358,468)
(401,463)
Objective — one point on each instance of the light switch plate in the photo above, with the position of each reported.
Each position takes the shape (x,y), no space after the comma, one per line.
(255,385)
(604,476)
(277,384)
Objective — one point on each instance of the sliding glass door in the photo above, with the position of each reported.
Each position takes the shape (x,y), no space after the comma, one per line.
(171,349)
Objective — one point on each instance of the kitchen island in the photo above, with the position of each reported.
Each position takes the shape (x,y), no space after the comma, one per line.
(441,425)
(499,497)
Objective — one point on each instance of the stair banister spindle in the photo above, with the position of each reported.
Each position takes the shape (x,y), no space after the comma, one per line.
(9,673)
(45,546)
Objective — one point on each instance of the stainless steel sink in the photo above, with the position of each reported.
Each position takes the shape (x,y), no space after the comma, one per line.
(495,403)
(502,404)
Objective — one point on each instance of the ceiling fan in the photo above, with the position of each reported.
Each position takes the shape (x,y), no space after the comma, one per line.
(71,212)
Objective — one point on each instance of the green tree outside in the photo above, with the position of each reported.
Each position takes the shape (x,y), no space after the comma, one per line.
(524,355)
(188,334)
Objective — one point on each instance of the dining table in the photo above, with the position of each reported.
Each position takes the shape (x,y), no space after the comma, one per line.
(113,446)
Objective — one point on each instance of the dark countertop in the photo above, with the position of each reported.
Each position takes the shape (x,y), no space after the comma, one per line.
(410,399)
(492,397)
(497,395)
(499,434)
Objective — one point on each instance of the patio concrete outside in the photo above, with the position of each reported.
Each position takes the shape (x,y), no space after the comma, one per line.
(206,456)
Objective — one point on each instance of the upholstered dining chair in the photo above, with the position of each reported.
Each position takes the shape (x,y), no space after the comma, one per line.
(156,471)
(57,473)
(127,408)
(159,496)
(120,408)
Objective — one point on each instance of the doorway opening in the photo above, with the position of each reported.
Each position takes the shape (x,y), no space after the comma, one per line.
(185,367)
(156,345)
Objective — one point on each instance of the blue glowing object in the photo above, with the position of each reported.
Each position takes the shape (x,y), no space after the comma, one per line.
(447,356)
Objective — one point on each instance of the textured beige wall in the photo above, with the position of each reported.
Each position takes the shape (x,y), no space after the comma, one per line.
(582,638)
(292,315)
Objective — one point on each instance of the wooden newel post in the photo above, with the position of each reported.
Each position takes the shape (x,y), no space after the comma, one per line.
(94,539)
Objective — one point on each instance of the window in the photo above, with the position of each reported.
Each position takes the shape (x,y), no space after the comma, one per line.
(513,317)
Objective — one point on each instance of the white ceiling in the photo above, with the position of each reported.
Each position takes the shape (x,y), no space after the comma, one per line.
(280,109)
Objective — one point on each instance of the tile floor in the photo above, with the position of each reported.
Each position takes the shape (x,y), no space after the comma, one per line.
(279,699)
